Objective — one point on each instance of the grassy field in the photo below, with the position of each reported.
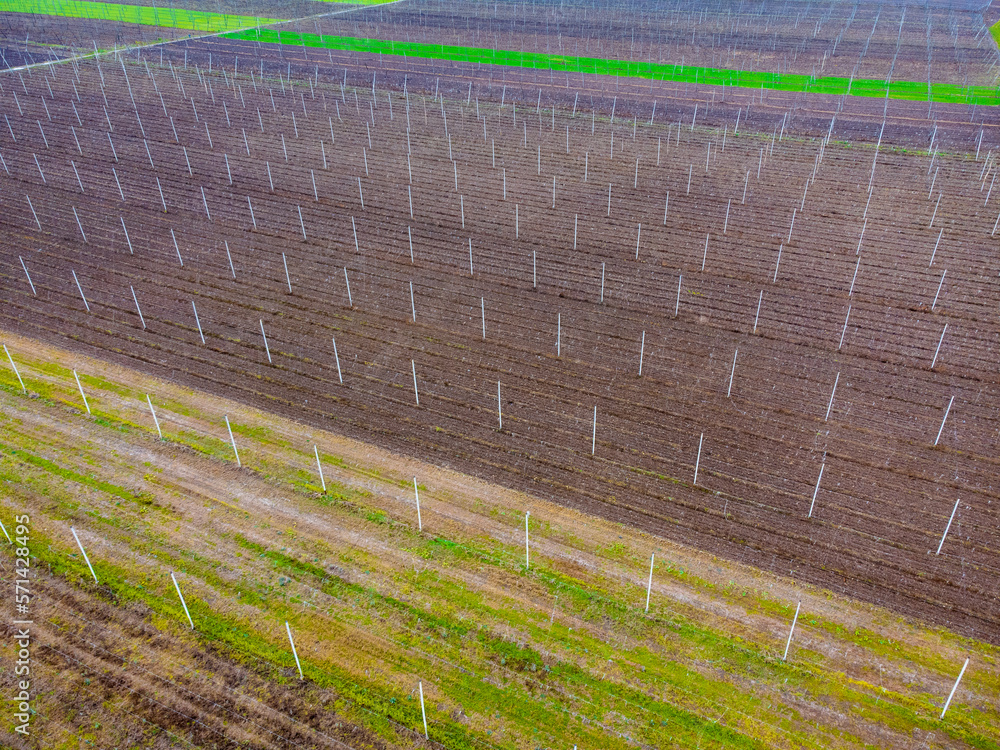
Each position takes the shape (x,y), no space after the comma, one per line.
(896,89)
(555,653)
(174,18)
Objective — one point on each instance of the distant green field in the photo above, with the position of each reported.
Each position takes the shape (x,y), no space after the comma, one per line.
(912,90)
(176,18)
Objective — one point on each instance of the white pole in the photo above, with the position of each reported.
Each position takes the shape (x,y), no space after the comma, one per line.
(470,256)
(177,248)
(732,374)
(705,254)
(954,688)
(416,494)
(336,357)
(319,466)
(649,586)
(266,347)
(777,263)
(416,395)
(499,406)
(131,252)
(183,603)
(527,555)
(196,320)
(697,461)
(760,299)
(30,282)
(134,299)
(642,351)
(81,391)
(288,278)
(482,305)
(156,421)
(637,237)
(844,332)
(294,653)
(230,257)
(558,334)
(36,215)
(938,349)
(233,441)
(78,224)
(666,204)
(936,247)
(602,282)
(816,491)
(347,281)
(936,294)
(302,224)
(791,630)
(946,528)
(677,304)
(854,278)
(941,428)
(534,269)
(593,439)
(86,304)
(15,369)
(413,307)
(422,711)
(87,559)
(832,393)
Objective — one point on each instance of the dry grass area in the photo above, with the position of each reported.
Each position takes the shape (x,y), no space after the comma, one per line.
(553,654)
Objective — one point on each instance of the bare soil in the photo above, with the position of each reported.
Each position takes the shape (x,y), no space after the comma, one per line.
(887,492)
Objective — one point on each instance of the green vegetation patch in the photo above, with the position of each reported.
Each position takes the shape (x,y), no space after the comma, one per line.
(72,476)
(995,31)
(174,18)
(913,90)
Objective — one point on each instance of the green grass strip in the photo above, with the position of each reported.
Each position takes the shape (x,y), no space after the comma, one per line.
(912,90)
(995,31)
(358,2)
(175,18)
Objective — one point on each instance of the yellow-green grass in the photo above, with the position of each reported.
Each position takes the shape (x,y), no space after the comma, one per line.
(559,653)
